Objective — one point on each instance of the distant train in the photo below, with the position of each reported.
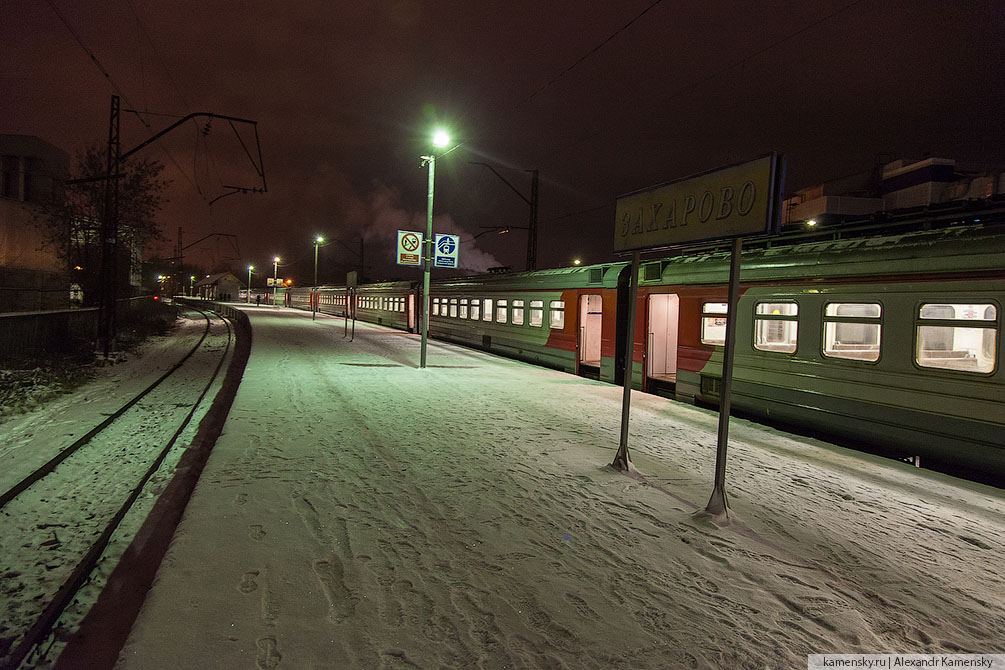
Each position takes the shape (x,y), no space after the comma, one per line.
(871,338)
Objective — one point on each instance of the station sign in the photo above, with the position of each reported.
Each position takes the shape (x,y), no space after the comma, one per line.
(734,201)
(409,248)
(446,251)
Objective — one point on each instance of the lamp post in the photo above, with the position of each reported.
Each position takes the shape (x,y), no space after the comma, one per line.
(250,268)
(440,139)
(275,280)
(191,286)
(314,299)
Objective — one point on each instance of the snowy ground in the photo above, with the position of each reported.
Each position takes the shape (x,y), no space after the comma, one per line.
(359,512)
(45,530)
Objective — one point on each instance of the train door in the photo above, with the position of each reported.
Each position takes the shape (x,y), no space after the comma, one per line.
(588,343)
(661,342)
(410,312)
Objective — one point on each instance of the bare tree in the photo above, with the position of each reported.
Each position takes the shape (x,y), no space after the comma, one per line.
(71,221)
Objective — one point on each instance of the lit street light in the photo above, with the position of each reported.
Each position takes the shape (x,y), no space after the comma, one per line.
(314,299)
(275,280)
(191,286)
(440,140)
(250,268)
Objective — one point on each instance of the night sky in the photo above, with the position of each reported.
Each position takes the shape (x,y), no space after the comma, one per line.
(602,98)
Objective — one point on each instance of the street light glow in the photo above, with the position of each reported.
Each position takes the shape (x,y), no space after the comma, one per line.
(320,240)
(441,138)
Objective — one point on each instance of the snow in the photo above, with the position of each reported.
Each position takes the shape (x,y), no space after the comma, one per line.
(359,512)
(46,529)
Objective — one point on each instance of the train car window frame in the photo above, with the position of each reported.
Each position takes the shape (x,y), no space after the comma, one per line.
(463,309)
(711,314)
(436,306)
(772,323)
(536,313)
(487,309)
(453,308)
(516,315)
(502,311)
(476,306)
(967,359)
(835,345)
(556,314)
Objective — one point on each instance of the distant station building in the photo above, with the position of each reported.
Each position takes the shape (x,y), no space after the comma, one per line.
(895,186)
(32,172)
(222,286)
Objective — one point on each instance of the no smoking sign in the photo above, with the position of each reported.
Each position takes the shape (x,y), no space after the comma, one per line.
(409,243)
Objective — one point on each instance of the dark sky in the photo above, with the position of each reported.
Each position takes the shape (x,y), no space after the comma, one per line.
(602,98)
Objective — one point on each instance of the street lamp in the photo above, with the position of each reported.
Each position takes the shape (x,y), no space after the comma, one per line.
(440,140)
(191,286)
(275,280)
(314,299)
(250,268)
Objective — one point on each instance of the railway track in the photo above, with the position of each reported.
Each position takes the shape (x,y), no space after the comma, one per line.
(58,520)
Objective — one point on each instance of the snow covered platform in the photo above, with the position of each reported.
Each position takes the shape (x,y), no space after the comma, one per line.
(359,512)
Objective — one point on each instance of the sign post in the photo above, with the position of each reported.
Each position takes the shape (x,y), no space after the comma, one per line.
(726,203)
(351,280)
(622,461)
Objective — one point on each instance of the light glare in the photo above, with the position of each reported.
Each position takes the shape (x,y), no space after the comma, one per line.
(441,138)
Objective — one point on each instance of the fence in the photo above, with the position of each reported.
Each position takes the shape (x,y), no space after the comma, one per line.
(63,331)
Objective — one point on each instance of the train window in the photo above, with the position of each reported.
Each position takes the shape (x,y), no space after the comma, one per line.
(852,330)
(475,308)
(957,336)
(487,309)
(517,313)
(536,312)
(713,322)
(453,308)
(556,314)
(501,311)
(436,306)
(776,326)
(464,308)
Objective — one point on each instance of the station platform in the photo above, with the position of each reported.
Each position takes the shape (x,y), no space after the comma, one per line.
(360,512)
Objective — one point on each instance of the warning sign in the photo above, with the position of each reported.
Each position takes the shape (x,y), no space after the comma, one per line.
(409,248)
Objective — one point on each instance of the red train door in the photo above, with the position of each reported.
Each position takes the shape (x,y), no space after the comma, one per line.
(660,357)
(589,335)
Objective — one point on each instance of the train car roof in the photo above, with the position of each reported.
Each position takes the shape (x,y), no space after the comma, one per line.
(601,275)
(965,248)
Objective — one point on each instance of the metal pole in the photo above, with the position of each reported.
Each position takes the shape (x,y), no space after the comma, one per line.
(622,461)
(275,280)
(532,225)
(718,504)
(314,298)
(109,234)
(427,243)
(249,286)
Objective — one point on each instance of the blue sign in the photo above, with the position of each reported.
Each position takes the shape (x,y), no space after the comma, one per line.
(445,251)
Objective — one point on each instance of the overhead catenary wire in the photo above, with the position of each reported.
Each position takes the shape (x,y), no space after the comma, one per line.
(690,85)
(118,90)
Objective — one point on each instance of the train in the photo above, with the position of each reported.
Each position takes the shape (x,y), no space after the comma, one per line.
(884,337)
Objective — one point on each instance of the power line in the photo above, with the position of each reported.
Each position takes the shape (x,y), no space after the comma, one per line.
(115,87)
(718,73)
(592,51)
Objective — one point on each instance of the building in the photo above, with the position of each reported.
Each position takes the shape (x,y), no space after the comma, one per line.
(222,286)
(897,185)
(32,172)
